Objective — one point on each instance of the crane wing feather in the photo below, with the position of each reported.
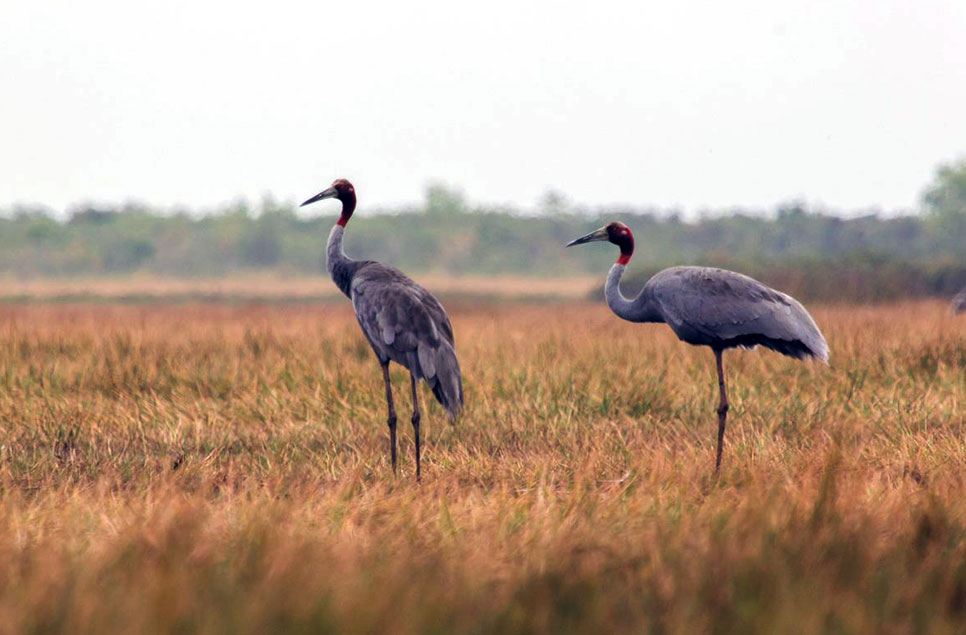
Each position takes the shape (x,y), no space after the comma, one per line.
(406,324)
(716,307)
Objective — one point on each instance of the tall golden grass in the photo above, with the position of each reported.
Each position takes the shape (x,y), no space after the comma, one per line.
(224,469)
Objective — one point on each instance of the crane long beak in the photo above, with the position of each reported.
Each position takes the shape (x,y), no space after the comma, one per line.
(600,234)
(329,193)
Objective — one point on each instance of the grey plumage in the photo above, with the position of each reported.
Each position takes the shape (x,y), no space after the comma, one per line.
(959,302)
(705,306)
(402,321)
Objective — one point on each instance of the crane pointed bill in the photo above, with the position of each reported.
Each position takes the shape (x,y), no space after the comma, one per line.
(600,234)
(329,193)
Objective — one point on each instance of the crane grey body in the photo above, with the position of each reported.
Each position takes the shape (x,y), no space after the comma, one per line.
(722,309)
(705,306)
(402,321)
(959,302)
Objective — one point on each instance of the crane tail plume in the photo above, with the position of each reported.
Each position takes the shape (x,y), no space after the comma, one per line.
(798,349)
(448,382)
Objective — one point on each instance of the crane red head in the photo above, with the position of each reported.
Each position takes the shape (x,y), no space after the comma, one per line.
(342,190)
(617,233)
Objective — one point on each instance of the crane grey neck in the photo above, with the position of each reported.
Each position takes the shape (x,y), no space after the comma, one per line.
(640,309)
(341,267)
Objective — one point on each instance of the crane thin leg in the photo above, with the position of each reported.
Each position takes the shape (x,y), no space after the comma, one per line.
(392,416)
(416,418)
(722,408)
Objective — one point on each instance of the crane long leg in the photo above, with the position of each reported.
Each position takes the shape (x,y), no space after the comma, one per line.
(416,418)
(722,408)
(392,415)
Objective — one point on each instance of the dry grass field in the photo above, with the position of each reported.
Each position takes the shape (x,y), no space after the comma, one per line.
(276,287)
(224,469)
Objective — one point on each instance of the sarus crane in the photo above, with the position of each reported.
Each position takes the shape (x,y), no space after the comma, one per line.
(705,306)
(403,322)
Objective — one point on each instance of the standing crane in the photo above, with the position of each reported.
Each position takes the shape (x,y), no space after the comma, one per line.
(403,322)
(711,307)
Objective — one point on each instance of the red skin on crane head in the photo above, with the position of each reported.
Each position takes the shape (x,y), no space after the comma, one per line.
(347,194)
(620,234)
(342,190)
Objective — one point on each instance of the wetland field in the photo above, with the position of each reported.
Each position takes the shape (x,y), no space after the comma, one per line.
(223,467)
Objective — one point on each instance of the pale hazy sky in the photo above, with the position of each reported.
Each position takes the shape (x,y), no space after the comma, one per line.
(690,104)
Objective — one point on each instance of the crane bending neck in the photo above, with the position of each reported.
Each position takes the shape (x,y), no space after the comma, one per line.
(640,309)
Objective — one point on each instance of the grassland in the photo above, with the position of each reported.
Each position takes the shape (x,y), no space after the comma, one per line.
(275,287)
(224,468)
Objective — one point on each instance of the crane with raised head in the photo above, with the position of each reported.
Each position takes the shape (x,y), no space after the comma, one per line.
(403,322)
(705,306)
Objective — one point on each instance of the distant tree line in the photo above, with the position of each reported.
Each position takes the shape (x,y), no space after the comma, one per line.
(805,250)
